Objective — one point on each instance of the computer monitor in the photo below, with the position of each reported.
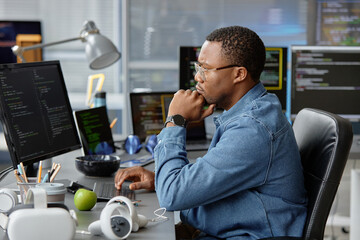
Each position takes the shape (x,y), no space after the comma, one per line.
(9,30)
(274,76)
(187,56)
(333,23)
(326,77)
(35,112)
(149,111)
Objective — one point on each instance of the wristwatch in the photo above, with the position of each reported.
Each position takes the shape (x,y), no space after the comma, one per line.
(177,119)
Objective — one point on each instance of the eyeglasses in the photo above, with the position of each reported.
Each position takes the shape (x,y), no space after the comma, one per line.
(200,69)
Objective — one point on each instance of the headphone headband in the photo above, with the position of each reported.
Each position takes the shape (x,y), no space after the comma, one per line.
(37,196)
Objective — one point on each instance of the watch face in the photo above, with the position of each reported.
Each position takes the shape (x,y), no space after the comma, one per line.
(179,120)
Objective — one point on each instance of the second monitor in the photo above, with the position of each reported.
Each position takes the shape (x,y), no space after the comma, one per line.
(148,113)
(326,77)
(274,76)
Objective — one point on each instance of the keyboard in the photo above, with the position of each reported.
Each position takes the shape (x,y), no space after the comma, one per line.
(107,190)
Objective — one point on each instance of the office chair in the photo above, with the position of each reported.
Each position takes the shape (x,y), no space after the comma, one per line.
(324,140)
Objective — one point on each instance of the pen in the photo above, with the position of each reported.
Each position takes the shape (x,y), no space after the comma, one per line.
(136,203)
(53,169)
(39,172)
(113,123)
(23,172)
(19,169)
(49,175)
(45,178)
(19,172)
(57,169)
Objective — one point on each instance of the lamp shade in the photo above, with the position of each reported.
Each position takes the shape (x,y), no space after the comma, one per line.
(100,51)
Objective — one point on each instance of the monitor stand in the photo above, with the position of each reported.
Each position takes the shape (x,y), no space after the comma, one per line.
(32,169)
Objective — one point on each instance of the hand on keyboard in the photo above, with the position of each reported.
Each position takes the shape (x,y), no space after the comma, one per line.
(141,178)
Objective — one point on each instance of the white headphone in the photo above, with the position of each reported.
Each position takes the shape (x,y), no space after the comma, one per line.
(54,221)
(8,200)
(118,226)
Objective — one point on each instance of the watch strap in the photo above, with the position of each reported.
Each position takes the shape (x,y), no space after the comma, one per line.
(181,123)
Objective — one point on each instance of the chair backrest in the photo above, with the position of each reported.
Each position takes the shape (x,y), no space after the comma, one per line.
(324,140)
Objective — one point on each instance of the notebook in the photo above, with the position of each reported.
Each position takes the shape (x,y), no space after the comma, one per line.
(148,114)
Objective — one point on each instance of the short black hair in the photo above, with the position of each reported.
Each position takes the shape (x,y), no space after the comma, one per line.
(241,46)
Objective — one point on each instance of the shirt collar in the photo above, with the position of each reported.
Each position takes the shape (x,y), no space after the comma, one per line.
(243,104)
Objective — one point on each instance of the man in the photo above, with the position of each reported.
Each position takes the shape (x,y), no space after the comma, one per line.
(249,185)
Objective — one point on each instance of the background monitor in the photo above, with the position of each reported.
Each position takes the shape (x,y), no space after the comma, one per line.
(149,111)
(35,112)
(274,76)
(333,23)
(327,78)
(187,56)
(10,30)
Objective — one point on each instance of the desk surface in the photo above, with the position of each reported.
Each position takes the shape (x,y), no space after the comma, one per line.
(149,203)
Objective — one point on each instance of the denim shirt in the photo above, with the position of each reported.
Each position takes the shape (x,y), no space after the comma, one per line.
(249,185)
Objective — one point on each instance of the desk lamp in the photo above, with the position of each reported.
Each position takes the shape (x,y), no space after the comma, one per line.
(100,51)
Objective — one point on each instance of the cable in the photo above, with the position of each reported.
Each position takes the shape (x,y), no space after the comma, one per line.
(159,216)
(83,232)
(5,172)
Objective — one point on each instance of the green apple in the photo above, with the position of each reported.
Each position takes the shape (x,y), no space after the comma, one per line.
(85,199)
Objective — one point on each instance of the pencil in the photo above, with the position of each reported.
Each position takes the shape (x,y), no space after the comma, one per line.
(16,173)
(113,123)
(57,169)
(53,169)
(23,172)
(20,176)
(39,172)
(53,166)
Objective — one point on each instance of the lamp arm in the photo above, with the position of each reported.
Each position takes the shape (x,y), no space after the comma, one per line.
(18,51)
(42,45)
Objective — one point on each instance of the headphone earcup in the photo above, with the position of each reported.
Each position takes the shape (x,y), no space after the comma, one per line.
(132,144)
(150,143)
(8,200)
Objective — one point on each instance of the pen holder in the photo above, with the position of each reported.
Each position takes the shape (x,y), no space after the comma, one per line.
(24,187)
(55,192)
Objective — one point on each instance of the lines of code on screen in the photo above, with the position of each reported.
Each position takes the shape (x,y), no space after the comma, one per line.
(326,78)
(35,107)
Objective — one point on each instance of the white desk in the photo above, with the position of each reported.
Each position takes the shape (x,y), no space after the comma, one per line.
(149,203)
